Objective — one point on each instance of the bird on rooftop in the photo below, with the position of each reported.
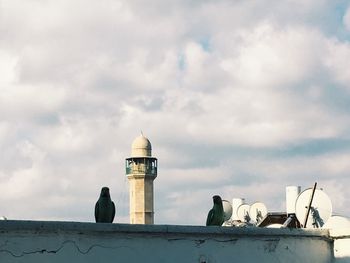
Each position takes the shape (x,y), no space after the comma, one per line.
(104,208)
(216,214)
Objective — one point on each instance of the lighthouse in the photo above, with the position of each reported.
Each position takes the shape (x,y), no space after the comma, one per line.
(141,170)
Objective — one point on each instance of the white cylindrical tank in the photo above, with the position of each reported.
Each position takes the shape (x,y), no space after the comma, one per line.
(292,193)
(236,202)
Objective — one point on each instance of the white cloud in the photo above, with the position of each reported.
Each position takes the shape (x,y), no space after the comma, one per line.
(28,101)
(274,57)
(221,89)
(338,62)
(346,19)
(7,68)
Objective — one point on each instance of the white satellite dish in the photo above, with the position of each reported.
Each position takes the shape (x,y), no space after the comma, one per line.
(257,212)
(227,209)
(320,211)
(337,221)
(243,213)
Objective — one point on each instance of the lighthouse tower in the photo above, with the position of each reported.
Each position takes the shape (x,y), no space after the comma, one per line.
(141,170)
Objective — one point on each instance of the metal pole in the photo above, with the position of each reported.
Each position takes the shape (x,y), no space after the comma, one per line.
(310,203)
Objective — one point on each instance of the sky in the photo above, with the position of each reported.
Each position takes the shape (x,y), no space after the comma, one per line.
(238,98)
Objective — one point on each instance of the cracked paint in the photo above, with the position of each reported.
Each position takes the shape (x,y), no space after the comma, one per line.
(46,251)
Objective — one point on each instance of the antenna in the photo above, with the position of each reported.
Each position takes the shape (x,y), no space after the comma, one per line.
(309,206)
(313,207)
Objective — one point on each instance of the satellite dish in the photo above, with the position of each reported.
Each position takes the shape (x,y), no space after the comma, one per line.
(257,212)
(227,209)
(336,221)
(243,213)
(320,211)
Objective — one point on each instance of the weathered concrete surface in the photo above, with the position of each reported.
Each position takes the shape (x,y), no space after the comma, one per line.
(341,238)
(35,241)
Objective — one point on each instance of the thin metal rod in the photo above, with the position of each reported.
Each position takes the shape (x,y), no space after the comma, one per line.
(310,203)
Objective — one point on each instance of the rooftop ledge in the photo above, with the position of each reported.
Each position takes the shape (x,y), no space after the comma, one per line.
(40,227)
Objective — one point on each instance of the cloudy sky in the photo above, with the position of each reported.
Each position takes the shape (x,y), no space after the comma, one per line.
(239,98)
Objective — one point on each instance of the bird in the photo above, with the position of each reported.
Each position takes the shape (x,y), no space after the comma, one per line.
(104,208)
(216,214)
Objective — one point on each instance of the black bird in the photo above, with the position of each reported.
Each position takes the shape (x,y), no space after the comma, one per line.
(216,214)
(104,208)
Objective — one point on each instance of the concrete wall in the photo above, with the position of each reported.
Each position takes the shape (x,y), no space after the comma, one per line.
(34,241)
(341,238)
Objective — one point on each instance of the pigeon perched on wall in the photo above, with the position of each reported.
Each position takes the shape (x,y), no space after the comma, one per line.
(216,214)
(104,208)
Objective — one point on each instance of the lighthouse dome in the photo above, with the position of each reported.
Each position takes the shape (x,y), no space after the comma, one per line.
(141,147)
